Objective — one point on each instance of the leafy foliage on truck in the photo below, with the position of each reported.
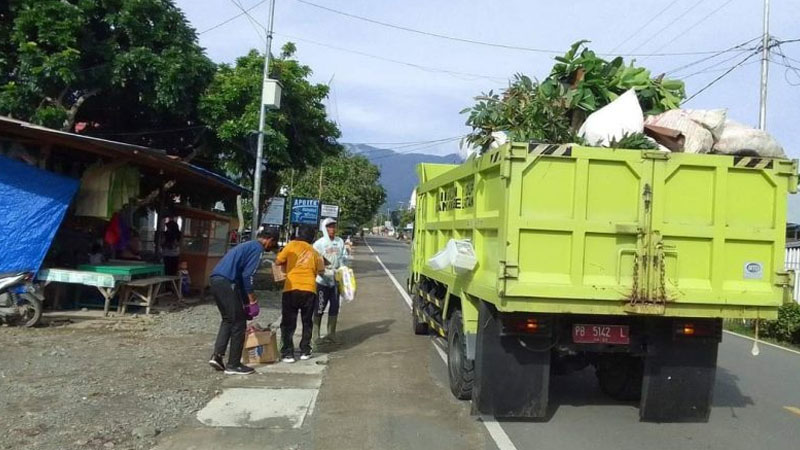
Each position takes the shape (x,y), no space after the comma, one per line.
(554,109)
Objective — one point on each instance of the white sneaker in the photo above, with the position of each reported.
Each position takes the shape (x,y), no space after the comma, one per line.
(305,356)
(288,359)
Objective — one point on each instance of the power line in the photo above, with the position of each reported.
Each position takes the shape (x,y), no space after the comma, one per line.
(476,42)
(658,33)
(395,61)
(693,26)
(253,22)
(737,47)
(715,80)
(789,67)
(711,67)
(643,26)
(231,19)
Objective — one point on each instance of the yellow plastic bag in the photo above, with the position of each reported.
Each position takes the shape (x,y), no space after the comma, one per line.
(347,284)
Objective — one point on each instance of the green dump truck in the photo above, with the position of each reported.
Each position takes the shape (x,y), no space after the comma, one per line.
(624,260)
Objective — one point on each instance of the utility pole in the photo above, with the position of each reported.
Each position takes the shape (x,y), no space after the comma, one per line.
(261,124)
(762,110)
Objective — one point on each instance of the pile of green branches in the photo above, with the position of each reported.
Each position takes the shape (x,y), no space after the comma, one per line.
(554,109)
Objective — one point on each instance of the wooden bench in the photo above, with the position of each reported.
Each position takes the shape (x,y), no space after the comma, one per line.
(144,291)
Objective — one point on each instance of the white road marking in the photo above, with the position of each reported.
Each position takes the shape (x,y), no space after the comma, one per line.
(497,433)
(763,342)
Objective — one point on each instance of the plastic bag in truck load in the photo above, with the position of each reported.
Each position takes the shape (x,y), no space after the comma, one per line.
(457,253)
(612,122)
(738,138)
(697,138)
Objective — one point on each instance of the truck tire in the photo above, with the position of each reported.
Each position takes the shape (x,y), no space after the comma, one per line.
(461,369)
(420,328)
(620,377)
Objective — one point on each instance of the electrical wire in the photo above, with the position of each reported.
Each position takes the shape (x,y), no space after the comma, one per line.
(152,131)
(709,70)
(711,67)
(457,74)
(253,22)
(691,27)
(715,80)
(483,43)
(737,47)
(789,67)
(643,26)
(231,19)
(660,31)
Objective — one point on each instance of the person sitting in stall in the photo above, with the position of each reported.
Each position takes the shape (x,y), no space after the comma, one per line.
(133,250)
(171,248)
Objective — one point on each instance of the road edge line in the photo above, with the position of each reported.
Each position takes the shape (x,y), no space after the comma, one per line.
(790,350)
(496,432)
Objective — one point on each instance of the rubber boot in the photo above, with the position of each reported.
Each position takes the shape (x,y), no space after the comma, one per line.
(331,336)
(315,329)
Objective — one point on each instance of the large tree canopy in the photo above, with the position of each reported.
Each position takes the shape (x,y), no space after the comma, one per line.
(118,66)
(349,181)
(297,135)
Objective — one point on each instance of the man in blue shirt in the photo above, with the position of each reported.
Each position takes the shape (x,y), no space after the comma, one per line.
(230,281)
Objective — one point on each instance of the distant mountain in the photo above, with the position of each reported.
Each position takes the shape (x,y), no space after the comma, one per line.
(398,170)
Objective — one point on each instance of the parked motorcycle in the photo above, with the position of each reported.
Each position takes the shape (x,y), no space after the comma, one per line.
(20,304)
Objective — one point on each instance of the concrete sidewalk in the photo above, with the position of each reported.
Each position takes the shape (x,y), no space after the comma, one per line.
(380,387)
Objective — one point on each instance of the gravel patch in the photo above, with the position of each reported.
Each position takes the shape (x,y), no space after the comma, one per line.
(110,383)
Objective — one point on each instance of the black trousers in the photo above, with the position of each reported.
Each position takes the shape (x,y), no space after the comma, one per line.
(171,265)
(327,295)
(234,322)
(292,303)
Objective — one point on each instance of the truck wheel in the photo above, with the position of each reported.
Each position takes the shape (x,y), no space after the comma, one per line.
(620,377)
(460,368)
(420,328)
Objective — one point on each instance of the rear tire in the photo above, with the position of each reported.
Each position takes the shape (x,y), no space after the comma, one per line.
(30,309)
(420,328)
(461,369)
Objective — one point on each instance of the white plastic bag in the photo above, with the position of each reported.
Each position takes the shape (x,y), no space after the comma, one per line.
(698,139)
(737,137)
(347,283)
(613,121)
(457,253)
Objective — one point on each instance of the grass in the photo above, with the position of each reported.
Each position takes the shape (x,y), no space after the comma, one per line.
(739,327)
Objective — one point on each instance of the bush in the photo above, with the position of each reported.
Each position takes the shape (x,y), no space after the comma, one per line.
(787,327)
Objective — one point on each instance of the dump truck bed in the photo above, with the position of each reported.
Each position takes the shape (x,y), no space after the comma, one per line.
(572,229)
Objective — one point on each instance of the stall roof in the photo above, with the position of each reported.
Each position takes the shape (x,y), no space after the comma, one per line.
(142,156)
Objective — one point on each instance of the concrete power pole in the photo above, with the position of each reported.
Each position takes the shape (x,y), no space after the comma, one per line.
(762,110)
(261,124)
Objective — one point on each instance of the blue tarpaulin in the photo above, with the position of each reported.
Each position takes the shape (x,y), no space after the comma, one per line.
(32,205)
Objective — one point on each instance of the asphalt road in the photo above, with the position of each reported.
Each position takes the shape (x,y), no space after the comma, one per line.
(756,401)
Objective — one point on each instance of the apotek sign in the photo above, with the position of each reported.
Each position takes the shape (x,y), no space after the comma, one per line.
(305,211)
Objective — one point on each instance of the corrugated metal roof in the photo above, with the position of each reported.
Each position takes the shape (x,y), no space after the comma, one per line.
(138,155)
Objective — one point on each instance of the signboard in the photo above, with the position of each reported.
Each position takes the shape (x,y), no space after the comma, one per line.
(329,211)
(276,212)
(305,211)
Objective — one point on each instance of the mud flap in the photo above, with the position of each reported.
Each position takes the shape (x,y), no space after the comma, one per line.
(678,382)
(510,380)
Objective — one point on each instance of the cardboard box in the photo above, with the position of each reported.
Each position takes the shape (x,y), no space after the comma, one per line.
(278,273)
(260,347)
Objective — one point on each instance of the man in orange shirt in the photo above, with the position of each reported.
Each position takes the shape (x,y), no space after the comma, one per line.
(303,264)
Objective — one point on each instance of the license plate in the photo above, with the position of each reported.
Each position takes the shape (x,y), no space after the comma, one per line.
(600,334)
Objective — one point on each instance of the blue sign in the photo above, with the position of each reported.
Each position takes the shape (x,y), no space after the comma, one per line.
(305,211)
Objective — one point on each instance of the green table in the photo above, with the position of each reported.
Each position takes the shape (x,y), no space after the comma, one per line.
(125,272)
(107,284)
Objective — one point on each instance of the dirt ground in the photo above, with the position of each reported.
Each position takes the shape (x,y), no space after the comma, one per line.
(109,383)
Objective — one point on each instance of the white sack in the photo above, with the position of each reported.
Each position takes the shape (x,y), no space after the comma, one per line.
(613,121)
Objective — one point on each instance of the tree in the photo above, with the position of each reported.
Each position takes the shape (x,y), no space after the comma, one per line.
(297,135)
(349,181)
(116,67)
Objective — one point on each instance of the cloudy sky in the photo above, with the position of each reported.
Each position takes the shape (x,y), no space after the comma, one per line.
(412,86)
